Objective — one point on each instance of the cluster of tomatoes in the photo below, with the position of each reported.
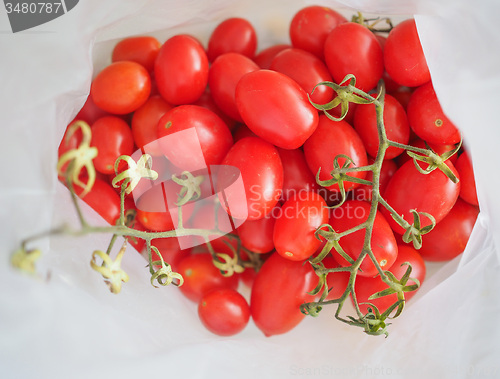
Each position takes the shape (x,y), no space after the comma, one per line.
(251,111)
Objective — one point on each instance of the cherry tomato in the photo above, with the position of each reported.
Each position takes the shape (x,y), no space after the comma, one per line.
(365,287)
(181,70)
(208,146)
(266,99)
(311,25)
(294,231)
(383,242)
(142,50)
(90,112)
(266,56)
(307,70)
(201,276)
(103,199)
(330,139)
(224,312)
(450,236)
(352,48)
(279,289)
(396,126)
(403,55)
(112,137)
(409,189)
(297,177)
(257,235)
(262,174)
(121,87)
(206,101)
(145,124)
(225,72)
(234,35)
(427,118)
(466,172)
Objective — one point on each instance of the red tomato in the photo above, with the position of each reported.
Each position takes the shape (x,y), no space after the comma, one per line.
(201,276)
(330,139)
(279,101)
(365,287)
(224,312)
(403,55)
(181,70)
(170,251)
(297,177)
(427,118)
(466,172)
(103,199)
(352,48)
(450,236)
(265,57)
(225,72)
(90,112)
(409,189)
(187,152)
(311,25)
(142,50)
(257,235)
(364,192)
(112,137)
(294,232)
(336,281)
(396,126)
(145,124)
(121,87)
(234,35)
(262,174)
(307,70)
(383,242)
(206,101)
(279,289)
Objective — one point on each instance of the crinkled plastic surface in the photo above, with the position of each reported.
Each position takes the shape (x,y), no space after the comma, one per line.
(67,324)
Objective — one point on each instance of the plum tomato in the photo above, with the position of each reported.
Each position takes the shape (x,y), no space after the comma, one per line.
(297,177)
(352,48)
(383,241)
(409,189)
(279,289)
(112,137)
(427,119)
(450,236)
(206,101)
(262,174)
(141,49)
(311,25)
(294,231)
(404,58)
(307,70)
(181,70)
(90,112)
(145,124)
(257,235)
(276,108)
(466,172)
(224,74)
(365,287)
(330,139)
(103,199)
(121,88)
(233,35)
(224,312)
(207,146)
(266,56)
(396,126)
(201,276)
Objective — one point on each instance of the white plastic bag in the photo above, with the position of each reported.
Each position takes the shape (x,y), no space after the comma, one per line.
(67,323)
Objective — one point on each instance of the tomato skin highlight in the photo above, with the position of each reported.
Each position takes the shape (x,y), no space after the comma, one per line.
(294,231)
(285,117)
(280,287)
(409,189)
(121,87)
(181,70)
(224,312)
(262,175)
(383,241)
